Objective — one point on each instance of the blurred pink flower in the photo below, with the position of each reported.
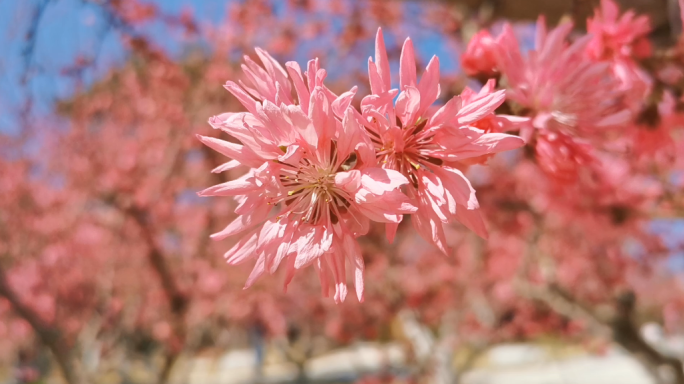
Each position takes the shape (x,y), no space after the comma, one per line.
(560,86)
(653,134)
(613,35)
(425,145)
(571,99)
(312,186)
(560,155)
(479,58)
(621,41)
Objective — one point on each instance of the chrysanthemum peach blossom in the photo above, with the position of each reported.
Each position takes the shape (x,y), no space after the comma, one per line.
(653,133)
(615,35)
(425,144)
(558,85)
(621,40)
(312,186)
(571,99)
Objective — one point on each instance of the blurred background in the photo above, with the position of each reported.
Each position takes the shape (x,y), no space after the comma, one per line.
(108,275)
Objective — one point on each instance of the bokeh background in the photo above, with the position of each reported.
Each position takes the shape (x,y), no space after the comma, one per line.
(108,275)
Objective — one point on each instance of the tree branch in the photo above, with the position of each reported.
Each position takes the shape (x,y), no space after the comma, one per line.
(178,300)
(48,334)
(619,325)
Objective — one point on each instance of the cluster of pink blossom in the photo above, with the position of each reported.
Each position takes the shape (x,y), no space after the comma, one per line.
(579,94)
(320,170)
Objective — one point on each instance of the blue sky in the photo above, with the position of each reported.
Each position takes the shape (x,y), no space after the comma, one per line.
(69,28)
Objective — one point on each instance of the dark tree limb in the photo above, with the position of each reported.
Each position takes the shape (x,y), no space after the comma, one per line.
(177,299)
(49,335)
(619,325)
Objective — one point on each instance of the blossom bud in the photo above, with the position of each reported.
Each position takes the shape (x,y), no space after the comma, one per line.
(479,59)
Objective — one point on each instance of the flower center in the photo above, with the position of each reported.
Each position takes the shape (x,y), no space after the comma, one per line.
(406,149)
(311,194)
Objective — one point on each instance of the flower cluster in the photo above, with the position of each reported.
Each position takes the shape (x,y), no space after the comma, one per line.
(319,170)
(577,93)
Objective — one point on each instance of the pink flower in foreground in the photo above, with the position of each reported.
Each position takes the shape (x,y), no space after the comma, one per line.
(425,145)
(312,186)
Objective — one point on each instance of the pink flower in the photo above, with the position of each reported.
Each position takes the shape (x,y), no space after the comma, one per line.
(620,41)
(425,144)
(571,99)
(560,155)
(615,36)
(479,58)
(558,84)
(653,131)
(312,186)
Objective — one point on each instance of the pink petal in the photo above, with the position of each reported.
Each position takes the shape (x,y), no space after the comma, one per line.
(472,219)
(458,188)
(480,108)
(230,188)
(353,252)
(381,61)
(391,231)
(348,181)
(540,34)
(429,85)
(446,112)
(258,270)
(274,117)
(304,126)
(275,70)
(302,91)
(290,268)
(379,102)
(235,151)
(284,247)
(312,242)
(408,105)
(281,97)
(340,105)
(322,117)
(263,84)
(242,96)
(407,68)
(379,180)
(226,166)
(242,251)
(430,229)
(243,223)
(347,138)
(336,264)
(374,78)
(311,70)
(498,142)
(292,155)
